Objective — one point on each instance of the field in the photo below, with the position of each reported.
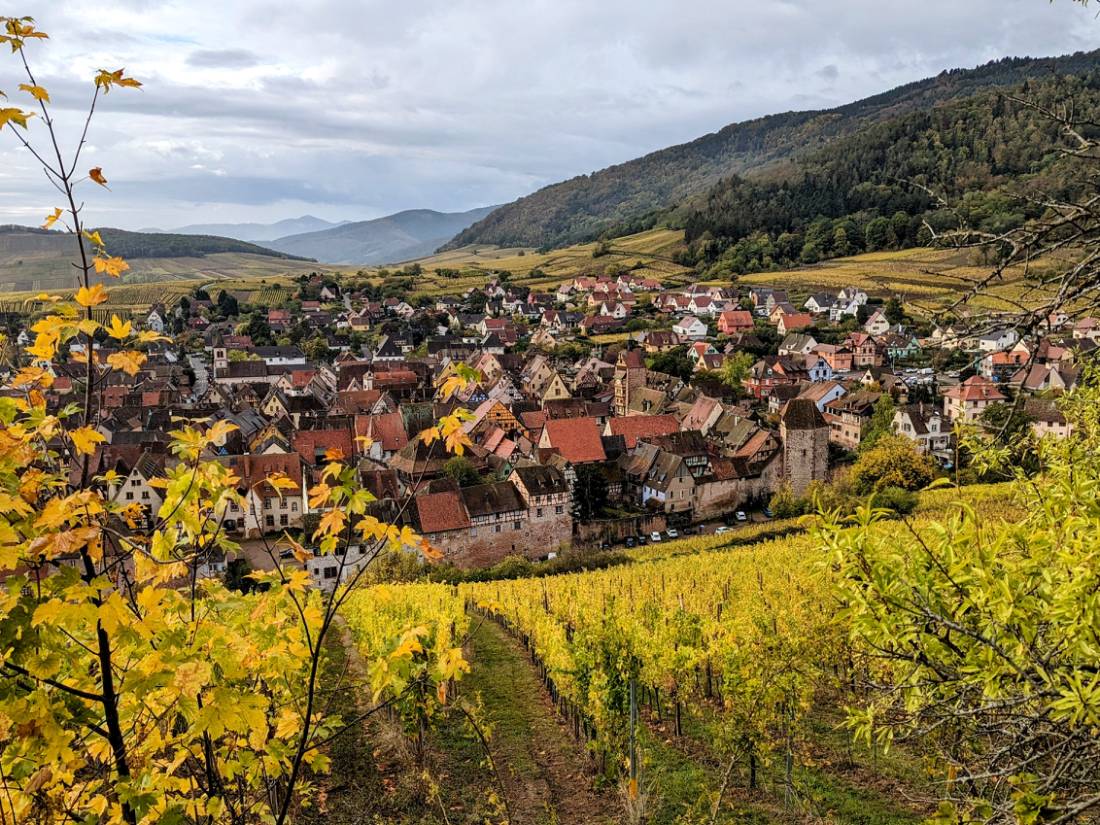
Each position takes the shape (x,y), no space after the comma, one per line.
(733,647)
(647,253)
(926,279)
(37,273)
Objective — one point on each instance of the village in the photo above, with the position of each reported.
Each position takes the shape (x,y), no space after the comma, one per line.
(611,411)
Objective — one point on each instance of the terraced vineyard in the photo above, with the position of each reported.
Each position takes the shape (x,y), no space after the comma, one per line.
(734,650)
(927,279)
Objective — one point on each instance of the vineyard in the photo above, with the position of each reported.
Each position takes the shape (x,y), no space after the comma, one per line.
(729,648)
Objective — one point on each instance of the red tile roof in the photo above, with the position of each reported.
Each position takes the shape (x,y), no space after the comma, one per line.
(976,388)
(441,511)
(633,427)
(576,439)
(387,428)
(308,443)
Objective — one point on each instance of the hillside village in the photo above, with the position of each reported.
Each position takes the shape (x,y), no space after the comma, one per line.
(612,410)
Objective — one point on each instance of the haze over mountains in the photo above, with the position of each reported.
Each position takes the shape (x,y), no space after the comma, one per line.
(255,232)
(394,238)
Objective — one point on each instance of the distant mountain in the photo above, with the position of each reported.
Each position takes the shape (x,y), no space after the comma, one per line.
(37,259)
(257,232)
(394,238)
(632,196)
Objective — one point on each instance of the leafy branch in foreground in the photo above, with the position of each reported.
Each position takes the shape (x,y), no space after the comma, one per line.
(133,688)
(981,640)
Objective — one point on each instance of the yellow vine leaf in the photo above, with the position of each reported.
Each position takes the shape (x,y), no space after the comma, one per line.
(129,361)
(119,329)
(96,174)
(94,237)
(112,265)
(37,92)
(85,439)
(91,296)
(105,80)
(52,218)
(14,116)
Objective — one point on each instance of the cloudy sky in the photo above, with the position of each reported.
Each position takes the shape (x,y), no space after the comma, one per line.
(255,110)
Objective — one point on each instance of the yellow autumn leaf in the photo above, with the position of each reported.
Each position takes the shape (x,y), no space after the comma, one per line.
(94,237)
(37,92)
(44,347)
(96,174)
(14,116)
(148,336)
(91,296)
(118,328)
(129,361)
(113,265)
(85,438)
(52,218)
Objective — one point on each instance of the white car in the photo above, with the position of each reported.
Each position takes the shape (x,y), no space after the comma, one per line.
(740,516)
(672,534)
(721,530)
(655,536)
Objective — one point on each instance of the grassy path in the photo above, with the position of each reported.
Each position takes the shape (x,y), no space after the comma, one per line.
(544,770)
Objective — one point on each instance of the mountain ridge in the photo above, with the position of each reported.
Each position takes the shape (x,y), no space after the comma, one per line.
(402,236)
(632,196)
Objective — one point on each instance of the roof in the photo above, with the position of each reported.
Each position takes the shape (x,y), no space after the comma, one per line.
(576,439)
(492,499)
(386,428)
(633,427)
(802,414)
(542,480)
(439,512)
(975,388)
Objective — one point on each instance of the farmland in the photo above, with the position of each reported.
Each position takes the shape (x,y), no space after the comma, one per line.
(927,279)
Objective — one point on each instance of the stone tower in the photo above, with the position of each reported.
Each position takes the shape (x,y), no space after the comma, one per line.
(630,374)
(805,435)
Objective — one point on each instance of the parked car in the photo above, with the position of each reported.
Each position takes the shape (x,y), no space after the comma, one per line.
(722,529)
(768,512)
(741,516)
(642,540)
(655,536)
(672,534)
(630,541)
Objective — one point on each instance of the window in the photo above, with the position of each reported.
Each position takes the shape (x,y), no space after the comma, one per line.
(515,525)
(144,495)
(538,512)
(559,509)
(269,521)
(267,504)
(134,482)
(496,528)
(129,495)
(294,506)
(282,521)
(330,572)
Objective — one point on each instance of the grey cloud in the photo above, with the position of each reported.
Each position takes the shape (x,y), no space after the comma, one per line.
(355,108)
(223,59)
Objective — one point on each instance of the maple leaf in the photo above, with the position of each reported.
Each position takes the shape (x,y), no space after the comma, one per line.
(118,328)
(334,454)
(331,524)
(52,218)
(148,336)
(90,296)
(37,92)
(94,237)
(105,80)
(85,438)
(14,116)
(129,361)
(44,347)
(319,495)
(113,265)
(96,174)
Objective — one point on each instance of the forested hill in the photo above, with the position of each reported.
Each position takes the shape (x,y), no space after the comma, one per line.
(29,240)
(630,196)
(875,189)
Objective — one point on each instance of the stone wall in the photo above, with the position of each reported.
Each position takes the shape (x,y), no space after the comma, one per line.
(593,533)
